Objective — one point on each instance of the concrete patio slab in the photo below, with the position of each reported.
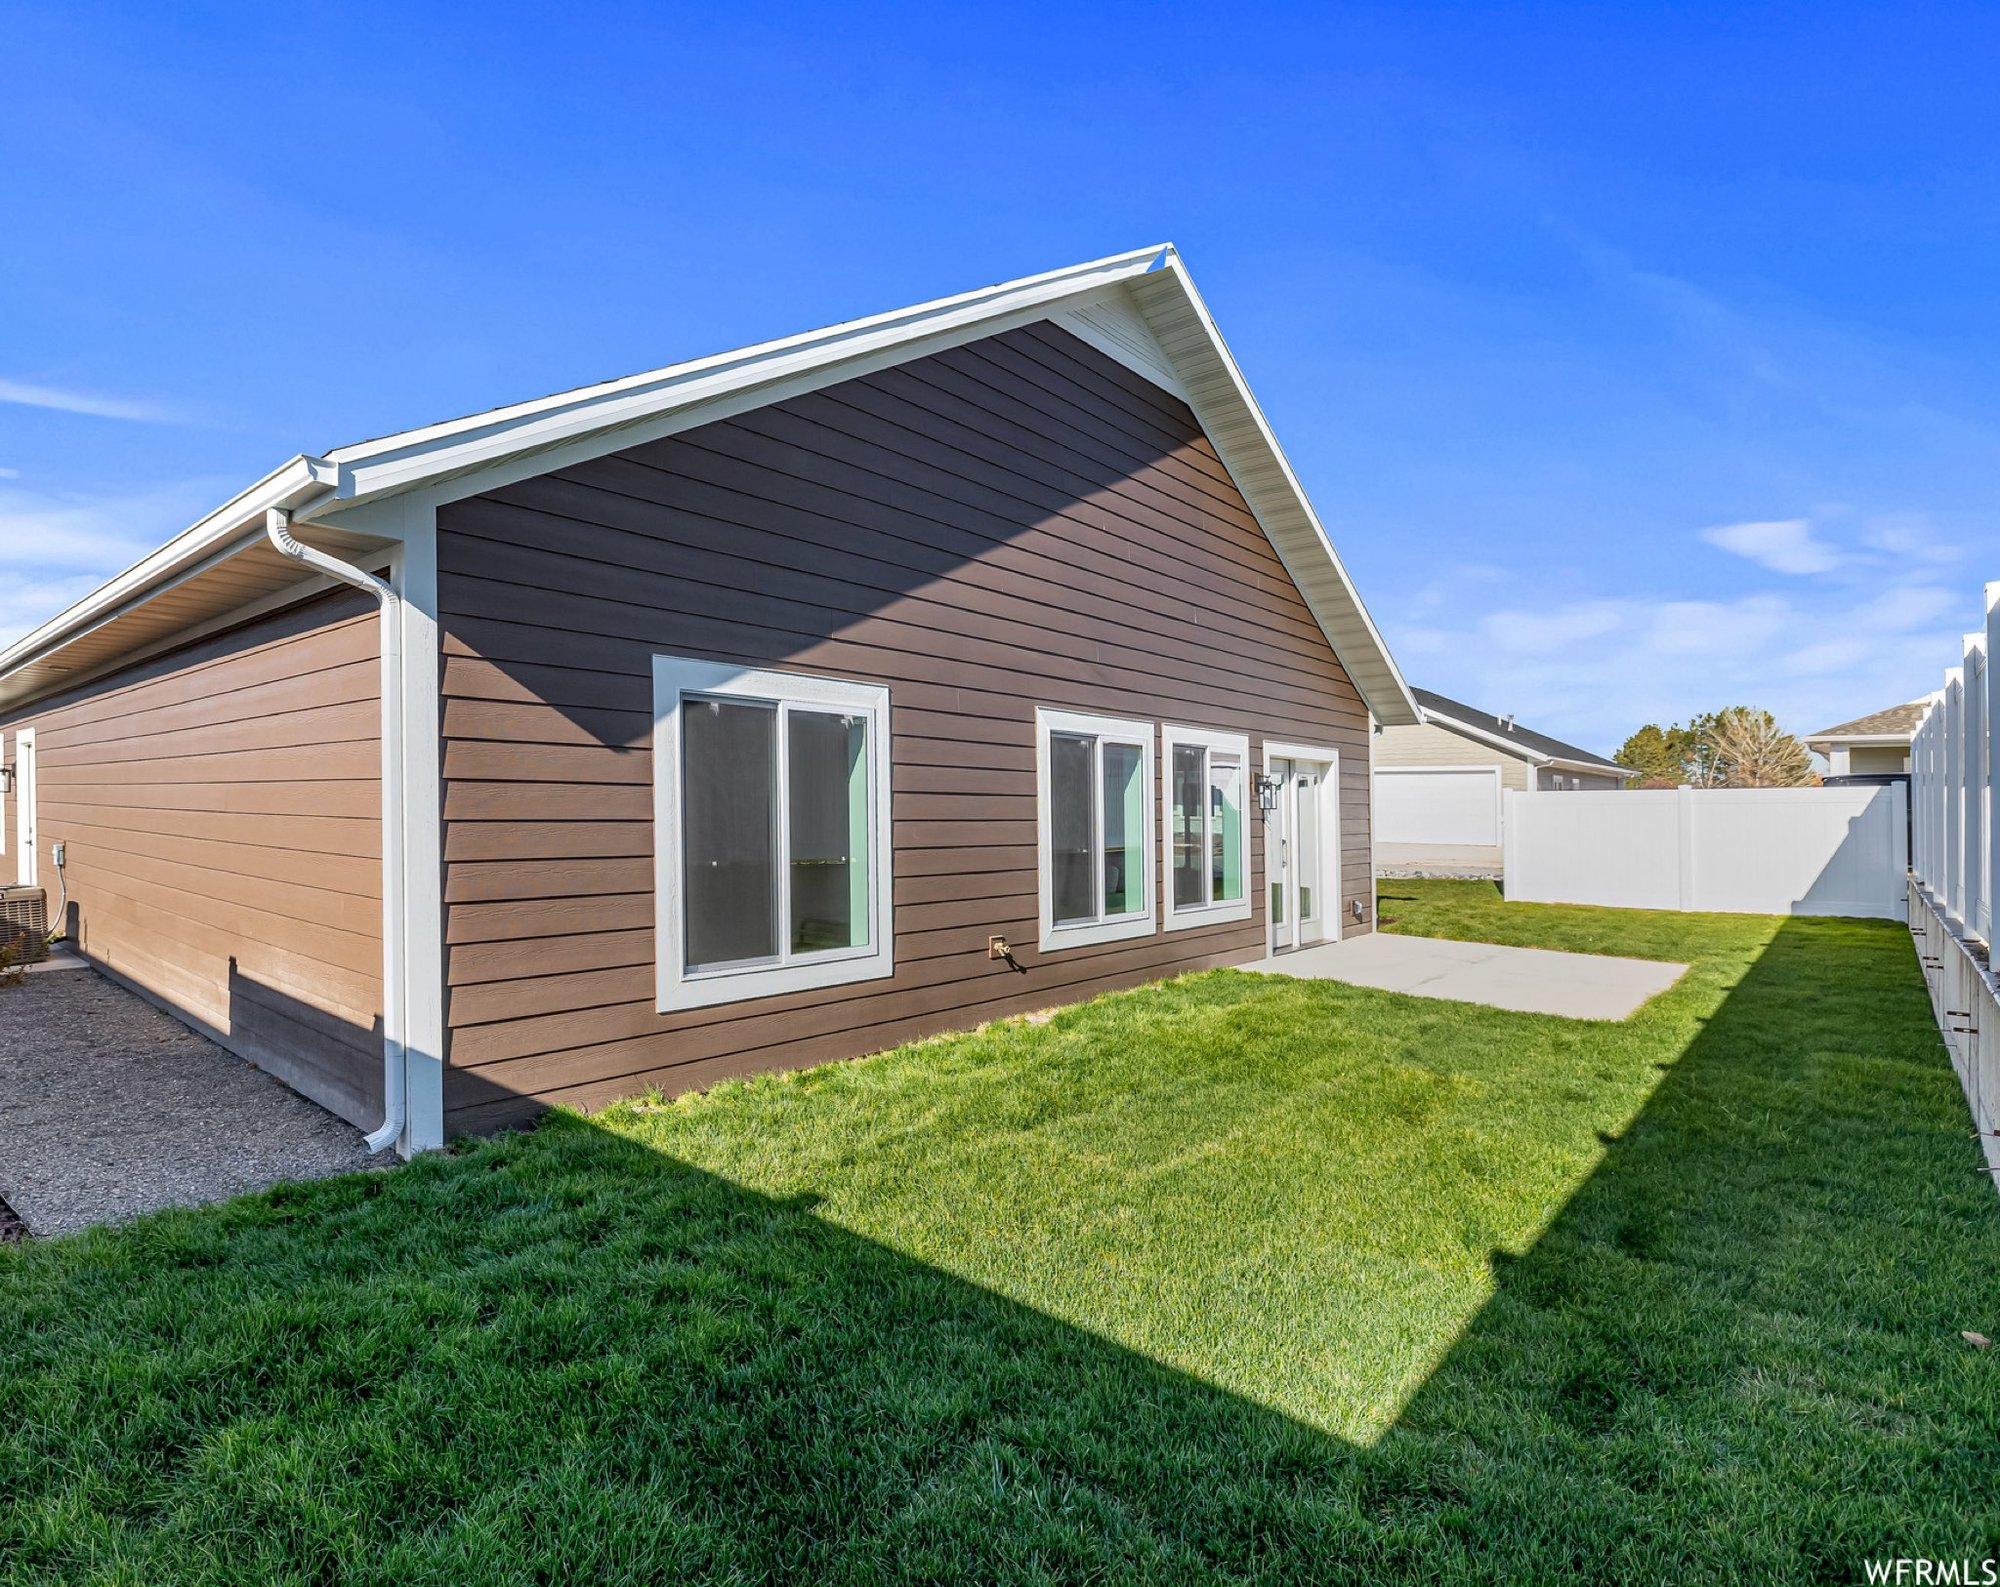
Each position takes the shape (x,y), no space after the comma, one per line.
(1527,980)
(110,1108)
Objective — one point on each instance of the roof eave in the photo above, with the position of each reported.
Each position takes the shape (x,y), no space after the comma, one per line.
(1486,735)
(301,481)
(1527,752)
(1186,331)
(1160,288)
(1597,768)
(417,457)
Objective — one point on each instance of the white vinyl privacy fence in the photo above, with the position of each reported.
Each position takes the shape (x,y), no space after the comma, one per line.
(1764,851)
(1955,865)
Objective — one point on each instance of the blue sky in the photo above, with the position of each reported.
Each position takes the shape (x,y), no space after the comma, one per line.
(1641,360)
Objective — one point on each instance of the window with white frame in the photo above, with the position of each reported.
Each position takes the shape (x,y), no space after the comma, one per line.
(1207,838)
(771,809)
(1094,778)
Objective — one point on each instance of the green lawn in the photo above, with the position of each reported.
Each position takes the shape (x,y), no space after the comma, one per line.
(1225,1279)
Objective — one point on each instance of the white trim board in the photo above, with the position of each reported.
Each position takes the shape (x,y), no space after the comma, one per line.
(1329,825)
(27,815)
(676,986)
(1177,917)
(1514,747)
(1140,307)
(1142,922)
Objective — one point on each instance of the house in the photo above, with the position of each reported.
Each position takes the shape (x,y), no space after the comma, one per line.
(1872,746)
(757,711)
(1439,784)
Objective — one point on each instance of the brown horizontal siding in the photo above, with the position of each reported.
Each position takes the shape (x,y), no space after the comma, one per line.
(220,808)
(1015,523)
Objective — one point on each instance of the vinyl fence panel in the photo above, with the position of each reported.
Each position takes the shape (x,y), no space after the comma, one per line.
(1955,896)
(1766,851)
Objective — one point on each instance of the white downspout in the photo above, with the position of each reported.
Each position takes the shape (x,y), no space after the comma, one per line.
(395,975)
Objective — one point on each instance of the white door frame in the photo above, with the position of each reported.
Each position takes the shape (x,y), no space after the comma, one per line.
(1329,845)
(25,826)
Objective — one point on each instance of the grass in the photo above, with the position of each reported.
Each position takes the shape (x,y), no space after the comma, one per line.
(1225,1279)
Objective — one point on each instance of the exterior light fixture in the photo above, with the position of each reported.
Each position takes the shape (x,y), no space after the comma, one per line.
(6,779)
(1267,792)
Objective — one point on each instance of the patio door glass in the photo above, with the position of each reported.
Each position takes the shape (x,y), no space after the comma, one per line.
(1296,854)
(1307,854)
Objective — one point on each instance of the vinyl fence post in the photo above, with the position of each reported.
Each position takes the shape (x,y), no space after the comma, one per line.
(1991,678)
(1951,877)
(1685,814)
(1920,750)
(1973,859)
(1899,840)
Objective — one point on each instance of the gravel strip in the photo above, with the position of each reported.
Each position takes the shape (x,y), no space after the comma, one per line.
(110,1108)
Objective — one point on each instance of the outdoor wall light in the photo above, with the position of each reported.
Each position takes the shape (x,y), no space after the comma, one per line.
(1267,792)
(6,779)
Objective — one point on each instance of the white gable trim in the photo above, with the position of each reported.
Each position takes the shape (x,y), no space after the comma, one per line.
(1166,298)
(1110,324)
(1514,747)
(1140,308)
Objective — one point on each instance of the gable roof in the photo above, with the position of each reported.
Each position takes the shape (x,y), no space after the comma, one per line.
(1140,308)
(1898,723)
(1525,742)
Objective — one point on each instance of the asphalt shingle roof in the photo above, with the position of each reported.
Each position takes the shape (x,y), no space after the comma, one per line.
(1900,720)
(1527,738)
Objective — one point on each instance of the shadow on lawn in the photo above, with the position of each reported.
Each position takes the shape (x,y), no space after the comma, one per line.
(579,1356)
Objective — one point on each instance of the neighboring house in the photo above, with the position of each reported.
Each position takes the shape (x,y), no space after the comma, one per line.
(763,710)
(1439,784)
(1872,746)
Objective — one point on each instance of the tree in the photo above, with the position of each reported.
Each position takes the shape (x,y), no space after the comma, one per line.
(1708,766)
(1736,747)
(1658,756)
(1750,750)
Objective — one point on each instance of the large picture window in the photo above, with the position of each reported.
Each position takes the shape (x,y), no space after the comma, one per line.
(1206,833)
(771,803)
(1094,803)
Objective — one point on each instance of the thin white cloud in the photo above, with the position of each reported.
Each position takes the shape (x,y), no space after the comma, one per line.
(59,547)
(1783,545)
(1537,633)
(26,604)
(28,395)
(10,473)
(1908,607)
(1825,651)
(1909,538)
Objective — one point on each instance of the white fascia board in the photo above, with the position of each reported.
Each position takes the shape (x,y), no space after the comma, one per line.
(319,487)
(444,462)
(1537,757)
(1859,738)
(1235,425)
(1596,768)
(401,461)
(213,539)
(1513,747)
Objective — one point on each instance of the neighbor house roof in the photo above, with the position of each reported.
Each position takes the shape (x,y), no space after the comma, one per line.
(1508,734)
(1896,725)
(1140,308)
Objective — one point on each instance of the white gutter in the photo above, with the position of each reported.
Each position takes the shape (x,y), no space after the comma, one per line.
(395,978)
